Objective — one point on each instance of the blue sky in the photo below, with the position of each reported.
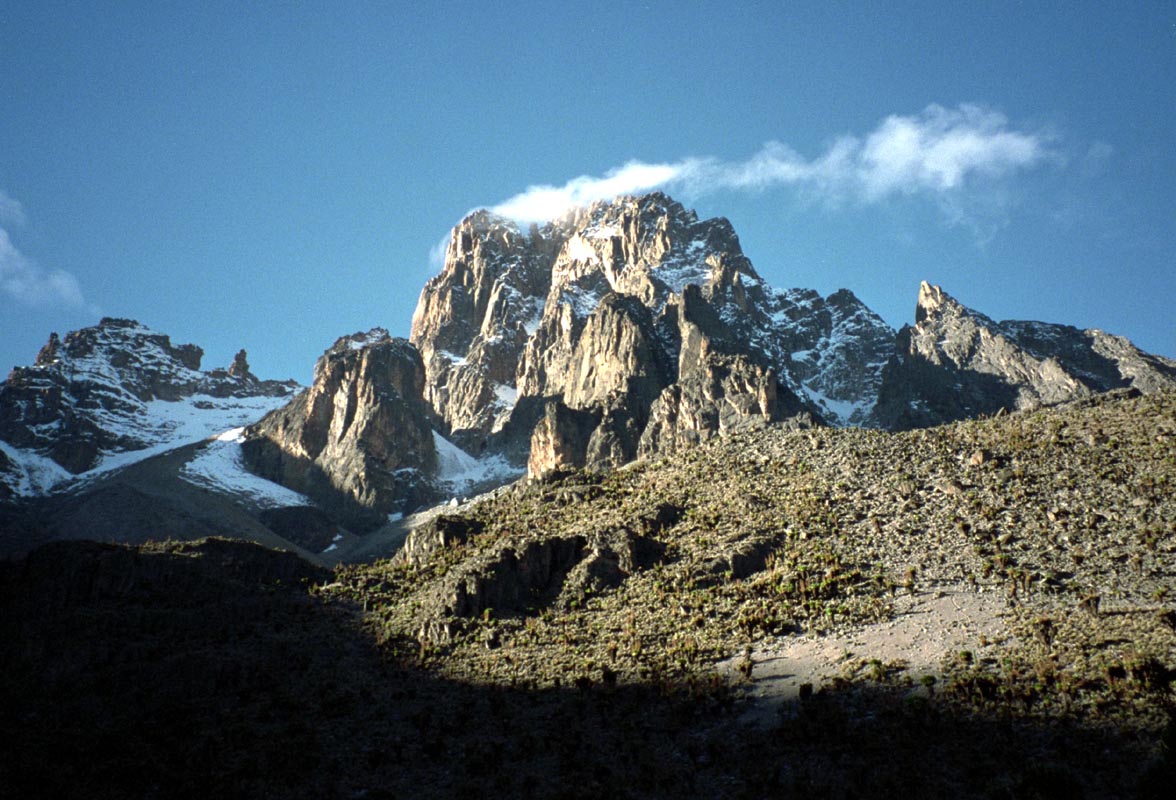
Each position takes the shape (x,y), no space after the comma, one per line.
(276,176)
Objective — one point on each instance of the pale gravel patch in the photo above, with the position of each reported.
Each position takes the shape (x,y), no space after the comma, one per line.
(927,629)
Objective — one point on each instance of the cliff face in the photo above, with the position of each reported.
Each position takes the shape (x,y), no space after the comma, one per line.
(360,439)
(956,363)
(473,321)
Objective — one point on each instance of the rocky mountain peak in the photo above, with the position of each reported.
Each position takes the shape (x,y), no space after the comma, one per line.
(607,307)
(628,328)
(88,396)
(354,342)
(930,303)
(648,246)
(360,439)
(936,307)
(956,363)
(48,354)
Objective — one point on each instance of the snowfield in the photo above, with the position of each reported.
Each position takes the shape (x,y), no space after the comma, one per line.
(220,466)
(460,472)
(163,425)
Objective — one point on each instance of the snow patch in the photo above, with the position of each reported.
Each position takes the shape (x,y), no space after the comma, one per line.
(841,413)
(219,466)
(602,232)
(361,340)
(578,249)
(531,323)
(582,301)
(232,435)
(454,359)
(166,425)
(35,473)
(459,471)
(506,395)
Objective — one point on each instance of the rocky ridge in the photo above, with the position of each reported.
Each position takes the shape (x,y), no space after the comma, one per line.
(626,329)
(361,441)
(636,315)
(103,393)
(631,329)
(956,363)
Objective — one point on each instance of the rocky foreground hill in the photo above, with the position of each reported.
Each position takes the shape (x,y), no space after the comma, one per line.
(997,594)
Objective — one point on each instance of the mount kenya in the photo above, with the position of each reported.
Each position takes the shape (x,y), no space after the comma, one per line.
(626,330)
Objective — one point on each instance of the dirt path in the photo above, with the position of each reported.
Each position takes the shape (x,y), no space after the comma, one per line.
(926,628)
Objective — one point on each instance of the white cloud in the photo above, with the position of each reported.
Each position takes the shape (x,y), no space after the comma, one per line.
(23,279)
(540,203)
(437,252)
(939,152)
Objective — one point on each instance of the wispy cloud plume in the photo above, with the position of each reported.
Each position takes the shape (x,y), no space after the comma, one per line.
(939,152)
(22,279)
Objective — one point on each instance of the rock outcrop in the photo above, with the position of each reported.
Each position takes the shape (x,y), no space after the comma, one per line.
(360,439)
(473,320)
(438,533)
(956,363)
(560,440)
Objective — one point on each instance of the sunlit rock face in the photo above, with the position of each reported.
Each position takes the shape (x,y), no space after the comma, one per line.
(597,309)
(361,437)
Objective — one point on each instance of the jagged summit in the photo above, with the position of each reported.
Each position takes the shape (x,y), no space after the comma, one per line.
(931,301)
(936,307)
(361,440)
(626,328)
(503,320)
(956,363)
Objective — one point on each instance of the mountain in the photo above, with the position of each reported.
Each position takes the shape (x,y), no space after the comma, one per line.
(977,610)
(116,434)
(108,395)
(800,583)
(361,441)
(628,329)
(956,363)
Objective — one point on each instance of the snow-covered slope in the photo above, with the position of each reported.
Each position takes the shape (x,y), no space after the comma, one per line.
(108,396)
(462,474)
(219,466)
